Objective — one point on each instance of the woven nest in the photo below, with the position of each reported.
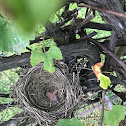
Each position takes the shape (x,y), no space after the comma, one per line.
(32,88)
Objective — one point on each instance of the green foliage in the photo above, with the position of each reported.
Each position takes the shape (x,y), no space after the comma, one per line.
(73,6)
(102,56)
(11,38)
(29,13)
(71,122)
(38,56)
(63,122)
(114,116)
(9,113)
(54,53)
(113,74)
(7,79)
(100,33)
(76,122)
(104,81)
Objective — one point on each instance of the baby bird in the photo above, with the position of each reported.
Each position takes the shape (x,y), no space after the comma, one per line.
(52,96)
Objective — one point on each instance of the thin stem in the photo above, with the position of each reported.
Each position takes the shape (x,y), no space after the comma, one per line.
(81,114)
(103,104)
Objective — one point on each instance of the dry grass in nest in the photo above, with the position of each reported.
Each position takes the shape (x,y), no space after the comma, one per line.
(30,93)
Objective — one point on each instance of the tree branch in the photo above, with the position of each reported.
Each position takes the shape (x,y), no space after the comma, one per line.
(15,61)
(4,106)
(104,10)
(4,95)
(117,59)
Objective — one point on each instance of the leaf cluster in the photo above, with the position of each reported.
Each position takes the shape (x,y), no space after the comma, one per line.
(72,122)
(38,55)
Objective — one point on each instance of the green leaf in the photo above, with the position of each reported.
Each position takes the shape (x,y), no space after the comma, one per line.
(55,53)
(71,122)
(63,122)
(114,116)
(48,64)
(104,81)
(29,13)
(49,42)
(76,122)
(11,37)
(37,56)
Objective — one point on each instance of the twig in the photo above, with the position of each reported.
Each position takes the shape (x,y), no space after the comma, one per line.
(103,104)
(107,37)
(104,10)
(87,19)
(3,55)
(9,77)
(117,59)
(86,37)
(4,95)
(96,107)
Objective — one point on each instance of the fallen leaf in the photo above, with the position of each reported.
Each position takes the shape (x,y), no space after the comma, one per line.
(97,69)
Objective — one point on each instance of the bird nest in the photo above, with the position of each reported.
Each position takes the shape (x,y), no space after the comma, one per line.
(48,97)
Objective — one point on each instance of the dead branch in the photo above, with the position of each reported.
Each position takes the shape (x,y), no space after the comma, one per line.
(104,10)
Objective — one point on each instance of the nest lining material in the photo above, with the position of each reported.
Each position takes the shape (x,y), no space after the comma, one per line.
(30,93)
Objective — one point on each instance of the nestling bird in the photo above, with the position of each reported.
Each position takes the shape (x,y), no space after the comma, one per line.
(52,96)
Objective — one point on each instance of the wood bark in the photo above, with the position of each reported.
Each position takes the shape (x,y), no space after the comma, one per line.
(118,23)
(75,49)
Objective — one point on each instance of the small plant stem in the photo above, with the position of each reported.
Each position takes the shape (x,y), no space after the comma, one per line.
(103,103)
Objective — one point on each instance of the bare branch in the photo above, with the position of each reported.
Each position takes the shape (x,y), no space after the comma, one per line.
(117,59)
(104,10)
(5,95)
(96,107)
